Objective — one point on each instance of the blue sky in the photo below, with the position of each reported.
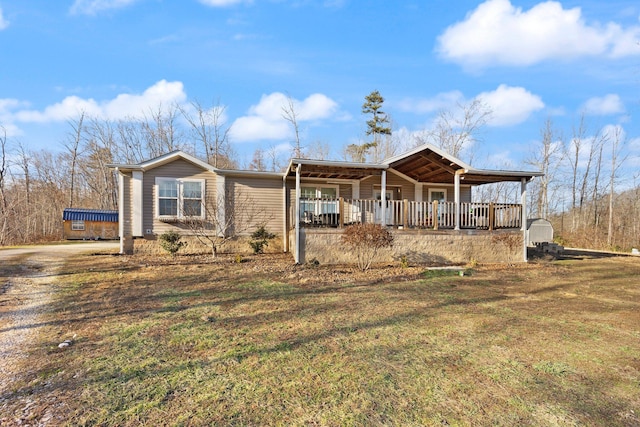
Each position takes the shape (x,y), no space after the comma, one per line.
(527,60)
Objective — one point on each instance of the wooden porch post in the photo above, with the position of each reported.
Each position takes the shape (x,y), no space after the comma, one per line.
(297,214)
(492,216)
(434,214)
(341,212)
(405,213)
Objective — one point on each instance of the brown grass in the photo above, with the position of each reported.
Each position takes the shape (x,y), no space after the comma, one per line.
(189,342)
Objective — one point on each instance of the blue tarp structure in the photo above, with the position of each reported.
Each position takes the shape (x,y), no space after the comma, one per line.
(97,215)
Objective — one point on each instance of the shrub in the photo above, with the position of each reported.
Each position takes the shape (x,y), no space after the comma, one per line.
(366,240)
(259,239)
(171,242)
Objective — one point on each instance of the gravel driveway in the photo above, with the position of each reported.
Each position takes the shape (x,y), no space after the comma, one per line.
(25,297)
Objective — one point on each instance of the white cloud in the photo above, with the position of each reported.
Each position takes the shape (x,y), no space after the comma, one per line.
(221,3)
(93,7)
(122,106)
(441,101)
(3,22)
(603,106)
(265,120)
(510,105)
(497,33)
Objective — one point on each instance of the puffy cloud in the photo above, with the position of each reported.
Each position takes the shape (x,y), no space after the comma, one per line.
(3,22)
(265,120)
(497,33)
(603,106)
(441,101)
(121,107)
(93,7)
(510,105)
(221,3)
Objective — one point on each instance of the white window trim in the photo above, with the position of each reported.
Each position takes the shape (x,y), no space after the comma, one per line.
(77,225)
(319,186)
(438,190)
(180,182)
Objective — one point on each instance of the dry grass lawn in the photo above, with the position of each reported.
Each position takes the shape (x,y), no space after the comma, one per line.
(187,341)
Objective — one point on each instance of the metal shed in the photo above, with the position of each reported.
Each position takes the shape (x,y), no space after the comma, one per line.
(90,224)
(539,231)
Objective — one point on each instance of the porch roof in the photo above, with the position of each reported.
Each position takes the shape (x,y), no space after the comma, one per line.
(425,164)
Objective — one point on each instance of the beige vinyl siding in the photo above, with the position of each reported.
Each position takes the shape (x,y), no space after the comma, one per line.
(465,192)
(177,169)
(369,185)
(266,194)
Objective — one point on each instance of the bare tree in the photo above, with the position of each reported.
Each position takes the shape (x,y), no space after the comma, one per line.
(4,169)
(73,145)
(546,158)
(257,162)
(290,114)
(456,131)
(208,127)
(617,142)
(224,218)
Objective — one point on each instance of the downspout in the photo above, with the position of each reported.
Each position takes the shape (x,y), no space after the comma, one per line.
(285,231)
(523,201)
(297,213)
(456,196)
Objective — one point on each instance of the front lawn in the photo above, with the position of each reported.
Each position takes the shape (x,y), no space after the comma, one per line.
(187,341)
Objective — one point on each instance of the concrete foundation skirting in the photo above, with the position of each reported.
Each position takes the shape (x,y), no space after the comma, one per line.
(420,246)
(239,245)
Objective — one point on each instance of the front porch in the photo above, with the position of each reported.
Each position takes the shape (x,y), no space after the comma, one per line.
(406,214)
(424,195)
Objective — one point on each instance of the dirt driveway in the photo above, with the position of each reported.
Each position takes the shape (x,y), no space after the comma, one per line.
(31,274)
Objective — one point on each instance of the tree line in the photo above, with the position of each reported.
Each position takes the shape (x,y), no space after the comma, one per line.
(587,192)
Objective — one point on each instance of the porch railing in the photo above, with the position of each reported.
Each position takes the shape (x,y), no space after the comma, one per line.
(403,213)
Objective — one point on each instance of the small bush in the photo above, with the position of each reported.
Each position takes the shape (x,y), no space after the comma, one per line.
(171,242)
(366,240)
(260,239)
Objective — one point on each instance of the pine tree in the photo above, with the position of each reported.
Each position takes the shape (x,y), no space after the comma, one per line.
(379,122)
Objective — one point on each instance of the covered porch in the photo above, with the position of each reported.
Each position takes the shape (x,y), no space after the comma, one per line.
(425,166)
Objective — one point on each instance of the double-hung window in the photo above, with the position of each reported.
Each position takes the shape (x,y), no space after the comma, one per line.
(77,225)
(179,198)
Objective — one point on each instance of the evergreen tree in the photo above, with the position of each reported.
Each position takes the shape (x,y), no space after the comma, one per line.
(379,122)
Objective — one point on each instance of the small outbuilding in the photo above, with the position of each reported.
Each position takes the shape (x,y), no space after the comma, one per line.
(90,224)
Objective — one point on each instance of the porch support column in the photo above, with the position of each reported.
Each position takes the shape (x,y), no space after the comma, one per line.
(121,214)
(456,195)
(418,192)
(297,214)
(523,202)
(383,198)
(221,204)
(136,204)
(355,190)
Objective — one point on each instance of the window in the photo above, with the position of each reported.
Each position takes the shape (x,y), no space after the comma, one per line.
(179,198)
(438,194)
(77,225)
(327,204)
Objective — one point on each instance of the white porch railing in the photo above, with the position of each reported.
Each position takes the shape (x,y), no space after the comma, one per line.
(403,213)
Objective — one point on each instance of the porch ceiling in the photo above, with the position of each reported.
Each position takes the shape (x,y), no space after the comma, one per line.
(326,171)
(431,166)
